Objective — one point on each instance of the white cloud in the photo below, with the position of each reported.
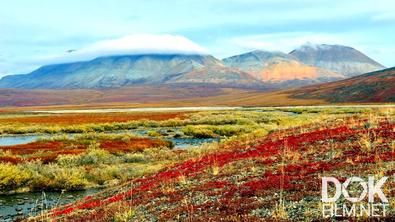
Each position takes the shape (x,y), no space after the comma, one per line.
(130,45)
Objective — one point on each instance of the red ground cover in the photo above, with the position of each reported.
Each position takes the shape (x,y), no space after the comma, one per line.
(236,192)
(49,151)
(70,119)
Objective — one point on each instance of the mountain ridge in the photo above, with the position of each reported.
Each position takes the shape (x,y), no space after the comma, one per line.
(255,69)
(372,87)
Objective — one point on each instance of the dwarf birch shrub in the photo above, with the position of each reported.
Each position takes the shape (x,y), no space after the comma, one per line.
(12,176)
(199,132)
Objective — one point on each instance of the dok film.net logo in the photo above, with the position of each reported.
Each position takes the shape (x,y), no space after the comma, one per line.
(360,198)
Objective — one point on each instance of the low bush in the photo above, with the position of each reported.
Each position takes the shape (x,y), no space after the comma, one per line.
(12,176)
(134,158)
(231,130)
(91,157)
(153,134)
(207,131)
(199,132)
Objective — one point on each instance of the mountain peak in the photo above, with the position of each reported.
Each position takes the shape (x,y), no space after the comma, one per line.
(337,58)
(308,46)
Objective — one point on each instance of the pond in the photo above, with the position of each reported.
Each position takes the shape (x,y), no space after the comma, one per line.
(179,143)
(16,140)
(25,204)
(184,143)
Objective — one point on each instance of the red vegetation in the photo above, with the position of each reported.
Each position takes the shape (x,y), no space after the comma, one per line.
(135,144)
(33,147)
(49,151)
(80,118)
(236,192)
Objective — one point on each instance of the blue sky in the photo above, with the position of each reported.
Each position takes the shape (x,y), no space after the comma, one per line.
(35,33)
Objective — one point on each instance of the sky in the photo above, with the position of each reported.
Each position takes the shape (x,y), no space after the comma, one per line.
(40,32)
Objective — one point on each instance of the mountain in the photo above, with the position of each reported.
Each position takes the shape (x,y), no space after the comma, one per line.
(257,60)
(372,87)
(277,67)
(219,75)
(376,86)
(119,71)
(309,64)
(336,58)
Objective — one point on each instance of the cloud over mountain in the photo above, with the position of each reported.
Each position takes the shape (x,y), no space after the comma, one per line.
(130,45)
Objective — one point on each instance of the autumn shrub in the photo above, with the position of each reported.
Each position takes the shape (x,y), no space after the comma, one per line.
(106,174)
(152,133)
(211,131)
(159,154)
(218,118)
(55,177)
(134,158)
(12,176)
(149,123)
(126,125)
(94,136)
(74,129)
(199,132)
(91,157)
(5,153)
(69,179)
(124,215)
(231,130)
(59,137)
(172,123)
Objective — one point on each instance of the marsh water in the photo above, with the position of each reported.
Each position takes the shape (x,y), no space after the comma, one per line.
(179,143)
(16,140)
(21,205)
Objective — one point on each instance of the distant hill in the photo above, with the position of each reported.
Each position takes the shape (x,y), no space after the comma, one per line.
(336,58)
(280,68)
(376,86)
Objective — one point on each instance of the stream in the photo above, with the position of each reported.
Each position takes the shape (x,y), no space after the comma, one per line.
(29,204)
(179,143)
